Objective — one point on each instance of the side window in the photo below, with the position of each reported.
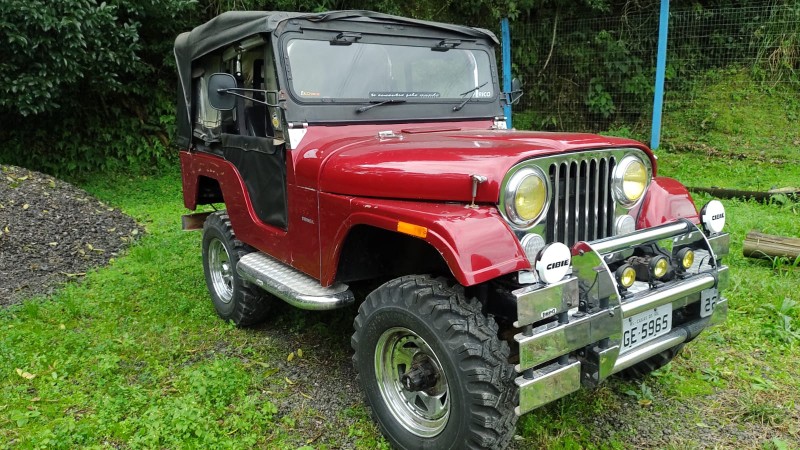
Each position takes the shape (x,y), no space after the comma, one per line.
(251,62)
(207,121)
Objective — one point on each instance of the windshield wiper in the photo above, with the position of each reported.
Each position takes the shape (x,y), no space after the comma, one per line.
(381,103)
(471,93)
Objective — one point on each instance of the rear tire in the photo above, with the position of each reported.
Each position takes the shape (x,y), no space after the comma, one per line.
(466,392)
(233,298)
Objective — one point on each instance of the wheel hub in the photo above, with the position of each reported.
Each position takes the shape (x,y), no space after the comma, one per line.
(421,376)
(411,381)
(219,267)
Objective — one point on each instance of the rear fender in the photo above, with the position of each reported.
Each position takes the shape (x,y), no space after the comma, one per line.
(476,243)
(666,200)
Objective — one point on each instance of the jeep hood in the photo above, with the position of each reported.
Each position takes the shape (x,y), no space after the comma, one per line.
(436,166)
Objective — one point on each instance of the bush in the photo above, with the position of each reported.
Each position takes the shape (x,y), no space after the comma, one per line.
(82,83)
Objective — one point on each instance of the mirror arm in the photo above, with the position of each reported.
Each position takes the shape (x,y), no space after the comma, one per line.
(233,91)
(508,97)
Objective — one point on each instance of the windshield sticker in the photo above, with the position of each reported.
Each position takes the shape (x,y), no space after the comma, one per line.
(309,94)
(483,94)
(400,94)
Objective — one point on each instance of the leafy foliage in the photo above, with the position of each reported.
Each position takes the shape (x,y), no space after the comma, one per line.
(88,85)
(591,66)
(82,85)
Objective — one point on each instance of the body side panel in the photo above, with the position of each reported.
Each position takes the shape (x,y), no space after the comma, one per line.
(297,246)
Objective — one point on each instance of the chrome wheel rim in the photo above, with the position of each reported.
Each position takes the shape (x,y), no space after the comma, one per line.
(424,412)
(219,267)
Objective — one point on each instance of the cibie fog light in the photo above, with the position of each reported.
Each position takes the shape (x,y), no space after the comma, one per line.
(713,216)
(629,180)
(659,266)
(553,262)
(685,258)
(625,275)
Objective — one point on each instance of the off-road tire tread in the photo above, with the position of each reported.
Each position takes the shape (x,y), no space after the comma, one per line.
(251,304)
(472,337)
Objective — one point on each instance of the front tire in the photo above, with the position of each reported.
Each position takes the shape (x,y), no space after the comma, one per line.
(233,298)
(432,367)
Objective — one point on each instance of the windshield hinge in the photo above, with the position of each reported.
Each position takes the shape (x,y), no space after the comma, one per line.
(447,44)
(342,38)
(297,131)
(500,123)
(385,135)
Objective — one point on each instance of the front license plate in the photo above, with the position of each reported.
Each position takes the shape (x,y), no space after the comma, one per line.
(708,299)
(646,326)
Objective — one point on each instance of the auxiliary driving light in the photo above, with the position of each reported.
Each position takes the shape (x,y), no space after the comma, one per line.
(626,275)
(659,266)
(685,258)
(553,262)
(713,216)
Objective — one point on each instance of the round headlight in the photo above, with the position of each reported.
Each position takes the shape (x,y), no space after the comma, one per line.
(526,196)
(630,180)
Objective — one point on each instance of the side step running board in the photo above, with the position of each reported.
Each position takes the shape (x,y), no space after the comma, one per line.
(291,285)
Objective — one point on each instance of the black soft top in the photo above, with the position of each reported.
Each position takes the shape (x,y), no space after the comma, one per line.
(233,26)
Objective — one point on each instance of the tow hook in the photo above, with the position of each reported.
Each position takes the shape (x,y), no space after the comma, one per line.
(421,376)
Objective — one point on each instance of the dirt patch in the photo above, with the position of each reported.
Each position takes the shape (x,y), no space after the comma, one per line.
(52,232)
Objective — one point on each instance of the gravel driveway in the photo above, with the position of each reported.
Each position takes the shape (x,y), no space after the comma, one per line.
(52,232)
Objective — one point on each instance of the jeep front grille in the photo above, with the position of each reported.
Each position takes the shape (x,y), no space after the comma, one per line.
(582,208)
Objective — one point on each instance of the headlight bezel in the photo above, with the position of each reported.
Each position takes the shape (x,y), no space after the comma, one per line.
(618,180)
(509,192)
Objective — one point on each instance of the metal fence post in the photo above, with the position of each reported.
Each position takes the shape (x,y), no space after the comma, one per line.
(661,65)
(505,43)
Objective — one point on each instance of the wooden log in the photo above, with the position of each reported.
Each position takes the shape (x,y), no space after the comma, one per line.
(755,195)
(760,245)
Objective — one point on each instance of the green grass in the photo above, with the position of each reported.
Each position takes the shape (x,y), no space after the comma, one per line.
(134,356)
(729,113)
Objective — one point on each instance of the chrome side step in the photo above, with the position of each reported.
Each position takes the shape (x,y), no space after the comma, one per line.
(291,285)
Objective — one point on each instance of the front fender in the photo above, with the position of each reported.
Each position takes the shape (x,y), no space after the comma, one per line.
(476,243)
(666,200)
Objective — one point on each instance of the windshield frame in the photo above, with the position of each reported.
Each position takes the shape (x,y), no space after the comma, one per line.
(329,110)
(478,57)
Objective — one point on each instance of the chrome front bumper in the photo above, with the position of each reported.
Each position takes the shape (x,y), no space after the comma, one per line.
(581,346)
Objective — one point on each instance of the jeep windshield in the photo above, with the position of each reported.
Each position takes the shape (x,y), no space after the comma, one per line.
(357,72)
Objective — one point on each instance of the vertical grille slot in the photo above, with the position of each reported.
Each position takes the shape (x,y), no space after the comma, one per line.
(581,208)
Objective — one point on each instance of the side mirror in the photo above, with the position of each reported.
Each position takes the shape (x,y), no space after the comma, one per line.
(516,91)
(218,96)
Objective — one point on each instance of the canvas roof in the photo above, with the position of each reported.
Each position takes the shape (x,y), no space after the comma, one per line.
(233,26)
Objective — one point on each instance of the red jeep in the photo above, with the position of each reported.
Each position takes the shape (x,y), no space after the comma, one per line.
(355,150)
